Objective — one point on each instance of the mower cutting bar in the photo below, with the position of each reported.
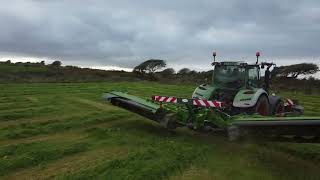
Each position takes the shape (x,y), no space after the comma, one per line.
(313,123)
(134,104)
(303,130)
(194,102)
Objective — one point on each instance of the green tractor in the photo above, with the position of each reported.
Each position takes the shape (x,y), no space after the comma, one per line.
(238,85)
(235,102)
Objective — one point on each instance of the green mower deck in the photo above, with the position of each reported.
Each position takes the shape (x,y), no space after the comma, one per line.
(299,128)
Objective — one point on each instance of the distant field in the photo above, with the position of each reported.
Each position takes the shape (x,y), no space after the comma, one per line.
(65,131)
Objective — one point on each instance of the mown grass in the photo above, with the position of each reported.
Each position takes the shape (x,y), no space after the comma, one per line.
(26,155)
(151,157)
(26,130)
(65,131)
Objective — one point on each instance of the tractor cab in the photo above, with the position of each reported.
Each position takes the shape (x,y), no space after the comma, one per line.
(236,75)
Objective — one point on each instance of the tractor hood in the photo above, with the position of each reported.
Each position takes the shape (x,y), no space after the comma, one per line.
(204,91)
(210,92)
(242,98)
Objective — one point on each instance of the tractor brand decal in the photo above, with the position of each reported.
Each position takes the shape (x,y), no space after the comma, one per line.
(195,102)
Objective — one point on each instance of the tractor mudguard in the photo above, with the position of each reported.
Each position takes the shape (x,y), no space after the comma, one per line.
(248,98)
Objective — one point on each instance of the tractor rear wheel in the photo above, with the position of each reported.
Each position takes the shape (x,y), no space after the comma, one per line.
(262,106)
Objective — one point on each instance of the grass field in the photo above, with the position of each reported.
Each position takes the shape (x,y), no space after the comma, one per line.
(65,131)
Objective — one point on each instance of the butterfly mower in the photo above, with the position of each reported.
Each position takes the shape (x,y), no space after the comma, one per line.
(236,102)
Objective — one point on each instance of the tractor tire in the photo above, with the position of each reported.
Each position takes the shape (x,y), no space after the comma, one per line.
(262,106)
(278,109)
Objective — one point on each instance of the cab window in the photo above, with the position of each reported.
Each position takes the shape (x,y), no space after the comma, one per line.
(253,77)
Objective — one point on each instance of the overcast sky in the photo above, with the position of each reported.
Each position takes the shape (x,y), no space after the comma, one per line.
(184,33)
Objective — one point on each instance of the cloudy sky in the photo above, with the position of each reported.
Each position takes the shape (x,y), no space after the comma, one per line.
(122,33)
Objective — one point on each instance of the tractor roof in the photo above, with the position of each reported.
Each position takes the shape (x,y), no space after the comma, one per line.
(232,63)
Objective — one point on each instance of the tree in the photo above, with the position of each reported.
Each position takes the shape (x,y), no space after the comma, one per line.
(193,72)
(168,71)
(293,71)
(150,66)
(184,71)
(56,64)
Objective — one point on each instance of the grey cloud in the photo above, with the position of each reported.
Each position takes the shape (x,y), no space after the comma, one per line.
(123,33)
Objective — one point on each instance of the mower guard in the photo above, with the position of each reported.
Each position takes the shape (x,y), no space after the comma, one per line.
(134,104)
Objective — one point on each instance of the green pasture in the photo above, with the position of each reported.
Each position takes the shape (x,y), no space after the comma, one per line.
(66,131)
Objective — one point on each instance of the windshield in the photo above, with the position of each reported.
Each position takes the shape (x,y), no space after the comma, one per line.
(229,76)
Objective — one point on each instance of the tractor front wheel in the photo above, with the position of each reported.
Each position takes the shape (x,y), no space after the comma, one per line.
(278,109)
(262,106)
